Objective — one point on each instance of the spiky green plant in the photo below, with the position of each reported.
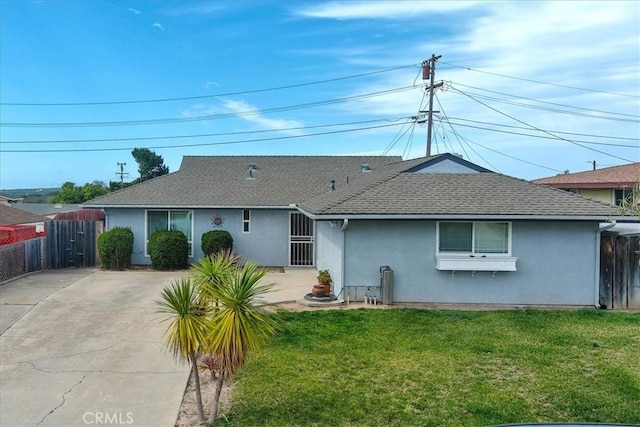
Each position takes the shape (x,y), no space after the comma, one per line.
(187,330)
(212,271)
(240,324)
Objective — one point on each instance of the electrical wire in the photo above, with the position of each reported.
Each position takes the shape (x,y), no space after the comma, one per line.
(541,130)
(190,98)
(204,135)
(213,116)
(554,131)
(539,82)
(71,150)
(546,102)
(547,109)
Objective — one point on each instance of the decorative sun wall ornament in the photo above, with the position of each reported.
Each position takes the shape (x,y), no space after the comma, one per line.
(217,221)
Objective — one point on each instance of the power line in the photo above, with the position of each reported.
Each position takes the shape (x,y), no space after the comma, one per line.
(204,135)
(203,144)
(541,82)
(190,98)
(539,136)
(634,119)
(623,138)
(547,102)
(213,116)
(541,130)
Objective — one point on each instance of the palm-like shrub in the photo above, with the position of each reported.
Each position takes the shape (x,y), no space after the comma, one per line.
(217,312)
(240,324)
(187,330)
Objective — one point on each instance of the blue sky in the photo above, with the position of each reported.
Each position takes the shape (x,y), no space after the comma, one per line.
(530,89)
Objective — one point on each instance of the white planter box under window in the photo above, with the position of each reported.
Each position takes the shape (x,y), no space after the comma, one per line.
(475,263)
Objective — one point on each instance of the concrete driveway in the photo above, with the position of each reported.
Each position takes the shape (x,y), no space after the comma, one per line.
(84,347)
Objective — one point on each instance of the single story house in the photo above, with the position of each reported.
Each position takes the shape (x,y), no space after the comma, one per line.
(251,197)
(608,185)
(449,230)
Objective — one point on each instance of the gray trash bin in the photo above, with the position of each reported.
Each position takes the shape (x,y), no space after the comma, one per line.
(386,284)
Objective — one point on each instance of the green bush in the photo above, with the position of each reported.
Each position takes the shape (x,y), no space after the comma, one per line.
(115,248)
(216,240)
(169,250)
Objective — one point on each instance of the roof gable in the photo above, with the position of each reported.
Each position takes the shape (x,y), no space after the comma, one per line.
(447,163)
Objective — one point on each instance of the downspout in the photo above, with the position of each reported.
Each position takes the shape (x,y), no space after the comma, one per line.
(598,246)
(345,224)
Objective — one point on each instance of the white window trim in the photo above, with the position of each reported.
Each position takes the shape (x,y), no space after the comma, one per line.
(475,261)
(146,228)
(246,221)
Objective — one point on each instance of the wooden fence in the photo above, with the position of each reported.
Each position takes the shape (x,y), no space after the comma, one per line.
(619,272)
(66,244)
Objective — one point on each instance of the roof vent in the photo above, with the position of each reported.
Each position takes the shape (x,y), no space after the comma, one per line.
(250,168)
(365,167)
(333,185)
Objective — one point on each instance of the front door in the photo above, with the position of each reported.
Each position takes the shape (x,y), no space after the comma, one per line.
(300,240)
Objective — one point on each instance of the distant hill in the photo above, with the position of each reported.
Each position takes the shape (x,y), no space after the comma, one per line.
(31,195)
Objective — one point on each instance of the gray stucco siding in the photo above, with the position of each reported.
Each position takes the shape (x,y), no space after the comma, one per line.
(266,242)
(556,264)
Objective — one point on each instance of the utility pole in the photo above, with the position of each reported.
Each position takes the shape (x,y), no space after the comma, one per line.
(122,173)
(429,69)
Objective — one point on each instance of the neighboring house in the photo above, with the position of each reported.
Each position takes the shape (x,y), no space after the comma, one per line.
(48,209)
(451,231)
(9,201)
(10,215)
(17,225)
(607,185)
(252,197)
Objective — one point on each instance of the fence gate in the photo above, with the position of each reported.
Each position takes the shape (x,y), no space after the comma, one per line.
(619,271)
(301,240)
(71,243)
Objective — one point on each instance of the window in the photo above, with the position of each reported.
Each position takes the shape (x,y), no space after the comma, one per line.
(621,194)
(170,220)
(246,221)
(477,245)
(474,237)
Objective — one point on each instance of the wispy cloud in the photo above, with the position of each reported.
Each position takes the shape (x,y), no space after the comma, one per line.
(380,9)
(158,26)
(250,113)
(201,8)
(134,11)
(246,112)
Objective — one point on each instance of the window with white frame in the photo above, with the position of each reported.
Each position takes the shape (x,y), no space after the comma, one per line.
(621,194)
(246,221)
(475,246)
(160,220)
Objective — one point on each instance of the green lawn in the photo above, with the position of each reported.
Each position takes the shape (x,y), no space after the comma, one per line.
(444,368)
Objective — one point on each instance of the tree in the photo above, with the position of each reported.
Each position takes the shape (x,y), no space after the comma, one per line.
(71,194)
(240,325)
(186,333)
(150,165)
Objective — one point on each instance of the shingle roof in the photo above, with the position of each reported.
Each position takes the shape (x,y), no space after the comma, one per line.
(46,208)
(12,216)
(394,191)
(612,177)
(223,181)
